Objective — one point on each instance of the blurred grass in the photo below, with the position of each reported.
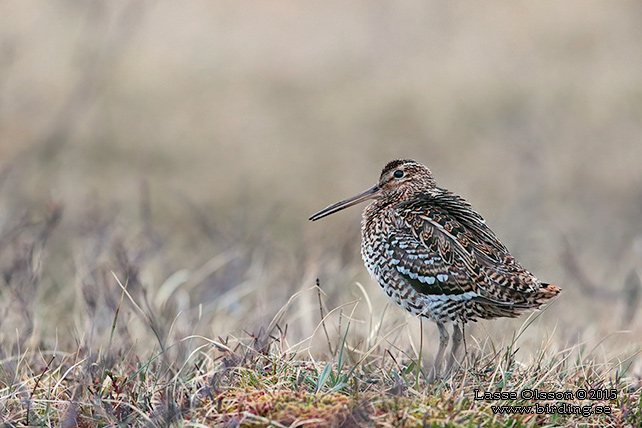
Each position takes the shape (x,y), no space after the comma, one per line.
(181,149)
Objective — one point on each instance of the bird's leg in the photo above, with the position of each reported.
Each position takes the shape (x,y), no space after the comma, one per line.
(457,336)
(463,334)
(443,343)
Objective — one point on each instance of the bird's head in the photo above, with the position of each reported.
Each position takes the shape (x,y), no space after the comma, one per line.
(398,178)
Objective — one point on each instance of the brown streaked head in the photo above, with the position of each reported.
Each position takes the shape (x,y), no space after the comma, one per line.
(397,177)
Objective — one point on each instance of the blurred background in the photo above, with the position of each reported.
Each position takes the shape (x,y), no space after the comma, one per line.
(179,148)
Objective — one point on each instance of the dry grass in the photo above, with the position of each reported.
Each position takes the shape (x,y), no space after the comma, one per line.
(263,380)
(158,164)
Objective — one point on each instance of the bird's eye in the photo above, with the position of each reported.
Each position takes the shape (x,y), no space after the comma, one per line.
(398,173)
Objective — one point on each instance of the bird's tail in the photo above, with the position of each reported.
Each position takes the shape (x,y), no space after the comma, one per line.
(487,307)
(544,295)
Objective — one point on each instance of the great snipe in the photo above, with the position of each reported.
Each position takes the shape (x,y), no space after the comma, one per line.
(435,257)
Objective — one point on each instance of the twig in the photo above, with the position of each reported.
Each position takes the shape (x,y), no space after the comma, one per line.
(36,387)
(327,336)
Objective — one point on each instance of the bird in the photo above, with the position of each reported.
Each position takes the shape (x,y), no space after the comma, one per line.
(435,257)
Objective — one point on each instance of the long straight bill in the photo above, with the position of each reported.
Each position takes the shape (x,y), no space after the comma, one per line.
(368,194)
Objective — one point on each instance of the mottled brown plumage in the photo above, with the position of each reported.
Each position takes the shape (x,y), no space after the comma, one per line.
(435,257)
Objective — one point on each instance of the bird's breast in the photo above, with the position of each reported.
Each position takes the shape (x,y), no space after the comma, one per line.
(378,224)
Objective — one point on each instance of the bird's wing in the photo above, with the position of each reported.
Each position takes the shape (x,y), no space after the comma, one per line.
(426,261)
(442,246)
